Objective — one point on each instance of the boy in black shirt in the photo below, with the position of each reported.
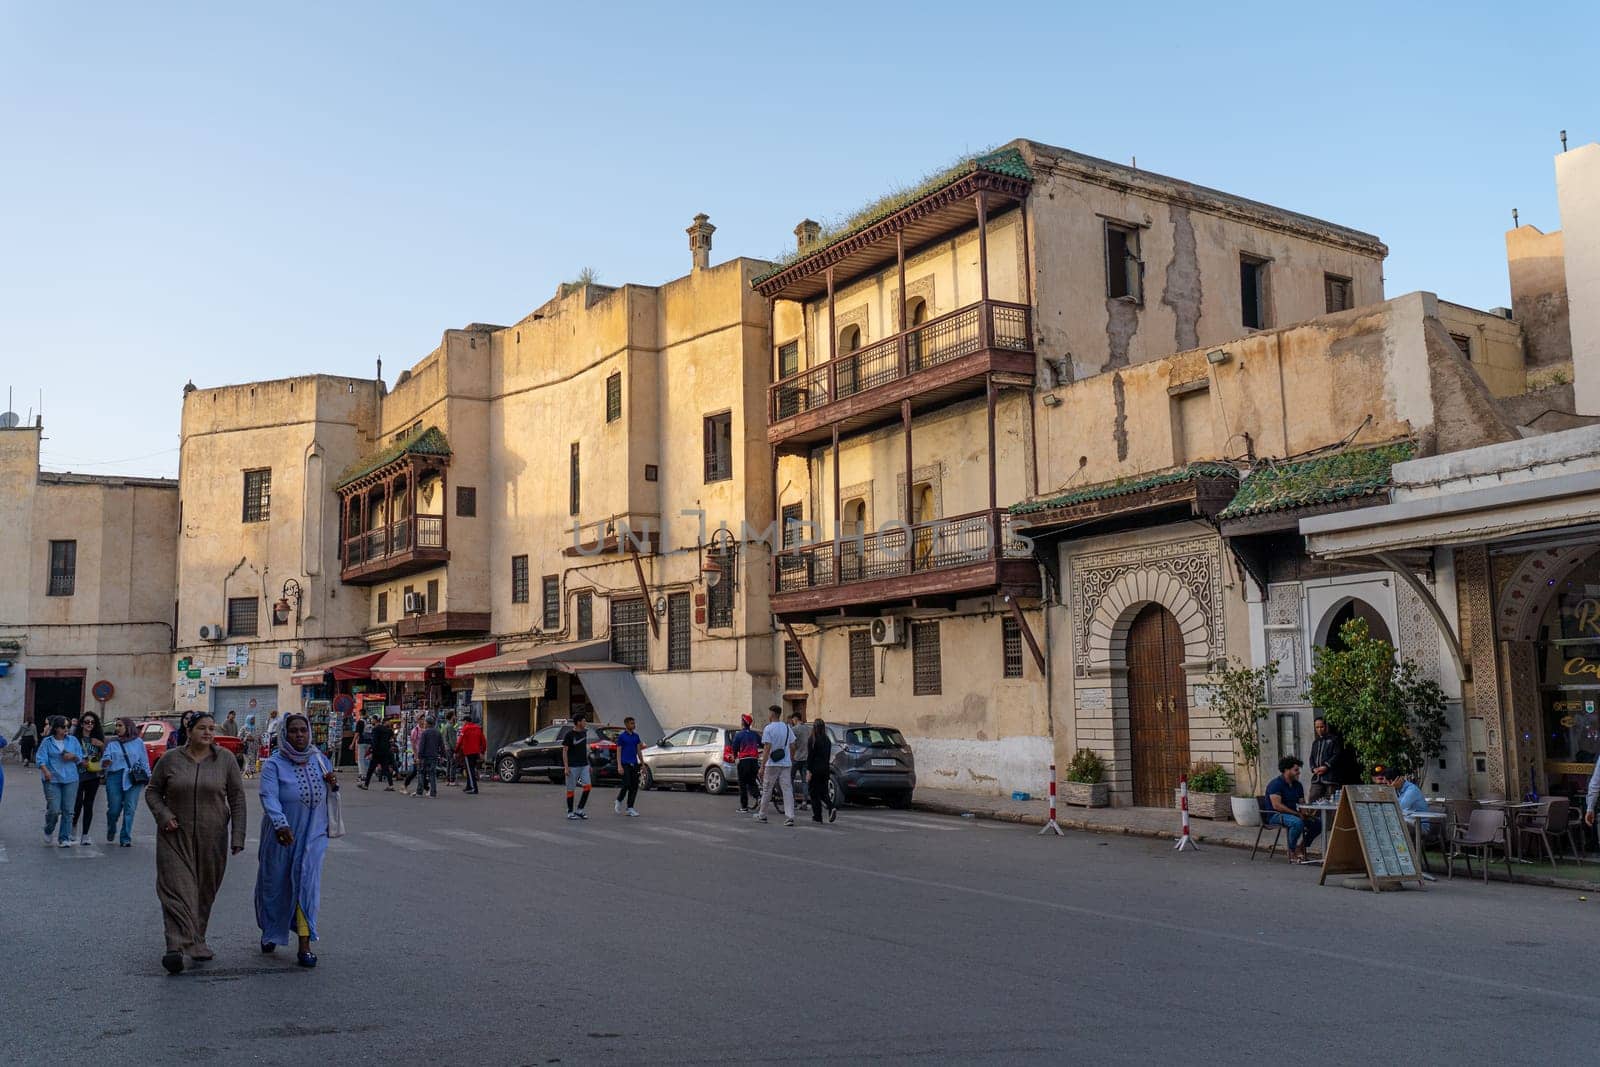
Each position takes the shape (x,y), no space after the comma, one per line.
(575,762)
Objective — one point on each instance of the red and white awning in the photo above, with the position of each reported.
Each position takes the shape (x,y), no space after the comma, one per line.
(411,663)
(342,669)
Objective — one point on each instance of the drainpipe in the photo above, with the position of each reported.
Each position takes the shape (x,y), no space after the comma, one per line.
(1049,688)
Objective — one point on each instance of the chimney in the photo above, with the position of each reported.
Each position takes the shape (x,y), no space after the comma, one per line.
(808,233)
(700,240)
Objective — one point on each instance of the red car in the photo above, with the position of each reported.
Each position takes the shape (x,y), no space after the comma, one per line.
(155,733)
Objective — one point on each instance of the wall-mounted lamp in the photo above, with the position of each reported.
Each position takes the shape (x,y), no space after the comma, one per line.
(1217,357)
(288,602)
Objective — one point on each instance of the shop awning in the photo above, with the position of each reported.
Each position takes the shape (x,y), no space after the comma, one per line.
(615,694)
(508,685)
(541,657)
(342,669)
(412,663)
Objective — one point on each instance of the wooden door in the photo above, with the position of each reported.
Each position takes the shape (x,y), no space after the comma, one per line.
(1158,710)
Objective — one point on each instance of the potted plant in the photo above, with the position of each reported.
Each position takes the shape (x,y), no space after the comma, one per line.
(1382,706)
(1085,784)
(1238,698)
(1208,785)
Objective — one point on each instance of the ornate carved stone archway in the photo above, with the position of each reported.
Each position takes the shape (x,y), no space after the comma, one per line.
(1108,629)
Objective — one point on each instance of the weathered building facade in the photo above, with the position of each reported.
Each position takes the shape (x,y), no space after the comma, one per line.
(90,595)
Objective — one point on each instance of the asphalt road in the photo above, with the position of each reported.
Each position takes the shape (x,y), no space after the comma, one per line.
(490,929)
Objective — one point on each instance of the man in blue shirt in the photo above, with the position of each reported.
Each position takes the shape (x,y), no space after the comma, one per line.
(1284,797)
(628,759)
(1409,795)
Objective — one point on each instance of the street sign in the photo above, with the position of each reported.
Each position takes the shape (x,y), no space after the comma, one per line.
(103,691)
(1369,837)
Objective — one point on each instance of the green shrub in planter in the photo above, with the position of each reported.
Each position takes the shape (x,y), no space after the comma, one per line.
(1208,778)
(1086,767)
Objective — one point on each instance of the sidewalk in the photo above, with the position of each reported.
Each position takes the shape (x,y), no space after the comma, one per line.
(1162,823)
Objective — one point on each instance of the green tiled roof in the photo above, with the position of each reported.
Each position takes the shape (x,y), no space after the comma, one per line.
(1126,486)
(1006,161)
(1320,480)
(428,442)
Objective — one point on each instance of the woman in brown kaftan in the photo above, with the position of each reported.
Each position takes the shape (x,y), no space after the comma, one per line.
(197,796)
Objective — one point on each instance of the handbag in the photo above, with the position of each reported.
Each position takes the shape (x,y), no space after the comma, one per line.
(335,812)
(136,775)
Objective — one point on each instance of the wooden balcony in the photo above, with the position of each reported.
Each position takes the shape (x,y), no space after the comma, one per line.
(444,624)
(937,363)
(937,561)
(395,550)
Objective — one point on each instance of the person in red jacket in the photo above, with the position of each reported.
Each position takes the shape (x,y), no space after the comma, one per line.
(471,745)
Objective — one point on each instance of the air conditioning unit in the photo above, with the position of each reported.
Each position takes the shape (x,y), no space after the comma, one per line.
(211,632)
(888,630)
(415,604)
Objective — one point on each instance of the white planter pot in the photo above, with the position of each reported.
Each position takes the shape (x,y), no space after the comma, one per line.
(1246,811)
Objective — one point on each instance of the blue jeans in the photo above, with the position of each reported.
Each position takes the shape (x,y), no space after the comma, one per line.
(1299,829)
(59,797)
(120,805)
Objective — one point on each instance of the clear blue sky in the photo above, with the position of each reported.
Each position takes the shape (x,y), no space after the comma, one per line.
(189,192)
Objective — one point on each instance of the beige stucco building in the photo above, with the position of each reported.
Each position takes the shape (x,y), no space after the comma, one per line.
(90,597)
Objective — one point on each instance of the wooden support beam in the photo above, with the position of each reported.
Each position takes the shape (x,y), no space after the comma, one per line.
(644,587)
(800,649)
(1027,632)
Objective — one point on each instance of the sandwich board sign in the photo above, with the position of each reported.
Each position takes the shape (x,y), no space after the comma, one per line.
(1369,837)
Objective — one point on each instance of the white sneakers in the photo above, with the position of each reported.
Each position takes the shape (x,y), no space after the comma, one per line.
(632,814)
(49,840)
(617,807)
(64,844)
(85,840)
(572,815)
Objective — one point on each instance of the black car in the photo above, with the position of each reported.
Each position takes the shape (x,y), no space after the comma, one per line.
(540,755)
(871,761)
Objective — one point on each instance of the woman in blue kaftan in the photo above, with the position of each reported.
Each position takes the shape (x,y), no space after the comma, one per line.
(296,783)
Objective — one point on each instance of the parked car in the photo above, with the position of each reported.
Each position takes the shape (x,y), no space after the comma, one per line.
(699,755)
(157,733)
(871,761)
(540,755)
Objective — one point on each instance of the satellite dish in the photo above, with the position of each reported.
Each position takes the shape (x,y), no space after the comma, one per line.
(9,420)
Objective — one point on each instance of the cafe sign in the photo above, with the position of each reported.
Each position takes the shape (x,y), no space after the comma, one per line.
(1581,668)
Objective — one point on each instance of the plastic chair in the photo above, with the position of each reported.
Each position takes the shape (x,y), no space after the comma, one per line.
(1485,830)
(1277,827)
(1460,812)
(1552,821)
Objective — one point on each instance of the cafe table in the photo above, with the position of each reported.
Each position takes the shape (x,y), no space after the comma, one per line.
(1513,808)
(1324,810)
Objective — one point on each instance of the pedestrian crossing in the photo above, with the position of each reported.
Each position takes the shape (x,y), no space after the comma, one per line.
(630,833)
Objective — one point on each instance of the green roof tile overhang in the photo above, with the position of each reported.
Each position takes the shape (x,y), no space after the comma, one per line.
(1279,494)
(430,442)
(946,206)
(1201,489)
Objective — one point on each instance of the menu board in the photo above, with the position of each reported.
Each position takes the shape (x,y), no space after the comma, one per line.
(1369,837)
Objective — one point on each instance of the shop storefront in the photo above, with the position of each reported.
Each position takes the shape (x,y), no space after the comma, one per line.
(1570,681)
(330,693)
(426,680)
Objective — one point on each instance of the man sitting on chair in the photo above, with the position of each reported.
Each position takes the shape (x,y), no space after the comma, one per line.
(1285,794)
(1410,796)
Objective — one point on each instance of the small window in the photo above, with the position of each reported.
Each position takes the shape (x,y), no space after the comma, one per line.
(585,616)
(651,472)
(1011,646)
(849,339)
(630,635)
(433,595)
(1253,292)
(677,631)
(551,589)
(257,495)
(788,360)
(242,616)
(925,669)
(383,607)
(861,676)
(719,447)
(1341,296)
(614,397)
(1124,269)
(466,501)
(719,599)
(573,499)
(63,567)
(519,579)
(794,674)
(1464,343)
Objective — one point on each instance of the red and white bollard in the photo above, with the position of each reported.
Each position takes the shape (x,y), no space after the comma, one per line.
(1184,840)
(1052,825)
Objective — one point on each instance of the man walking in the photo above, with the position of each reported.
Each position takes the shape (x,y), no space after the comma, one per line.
(449,732)
(274,724)
(430,749)
(359,742)
(628,746)
(747,760)
(777,744)
(27,738)
(382,755)
(230,726)
(575,763)
(471,745)
(802,738)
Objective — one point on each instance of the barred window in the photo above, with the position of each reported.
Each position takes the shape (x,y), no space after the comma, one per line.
(466,501)
(719,600)
(793,515)
(258,495)
(1011,646)
(383,607)
(242,616)
(788,360)
(1338,292)
(552,601)
(63,567)
(614,397)
(862,683)
(925,659)
(585,615)
(677,631)
(794,679)
(519,579)
(630,638)
(433,595)
(719,447)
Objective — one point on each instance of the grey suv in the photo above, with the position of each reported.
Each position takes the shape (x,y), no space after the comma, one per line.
(695,755)
(871,761)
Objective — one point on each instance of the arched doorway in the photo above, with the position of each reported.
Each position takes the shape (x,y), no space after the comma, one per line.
(1354,608)
(1158,706)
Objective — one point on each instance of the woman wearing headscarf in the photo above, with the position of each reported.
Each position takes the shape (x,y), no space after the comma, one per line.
(197,797)
(127,771)
(93,740)
(296,783)
(59,757)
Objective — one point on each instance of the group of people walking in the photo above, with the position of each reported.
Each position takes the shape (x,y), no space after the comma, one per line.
(438,745)
(767,763)
(74,759)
